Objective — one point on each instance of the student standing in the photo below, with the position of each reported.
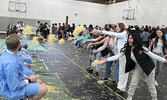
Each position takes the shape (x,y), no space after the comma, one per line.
(138,59)
(159,48)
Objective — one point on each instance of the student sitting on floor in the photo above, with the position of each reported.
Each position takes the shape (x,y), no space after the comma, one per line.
(27,60)
(12,81)
(23,42)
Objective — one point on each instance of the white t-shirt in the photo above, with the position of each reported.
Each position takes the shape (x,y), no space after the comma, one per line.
(158,48)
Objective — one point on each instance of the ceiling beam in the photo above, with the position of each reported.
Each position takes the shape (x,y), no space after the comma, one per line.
(106,2)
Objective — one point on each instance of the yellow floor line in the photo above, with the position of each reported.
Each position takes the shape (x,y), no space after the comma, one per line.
(89,73)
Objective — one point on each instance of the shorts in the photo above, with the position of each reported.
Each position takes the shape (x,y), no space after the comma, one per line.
(32,89)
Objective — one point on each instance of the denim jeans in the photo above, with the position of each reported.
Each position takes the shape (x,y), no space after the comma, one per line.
(78,44)
(116,69)
(98,57)
(90,57)
(108,66)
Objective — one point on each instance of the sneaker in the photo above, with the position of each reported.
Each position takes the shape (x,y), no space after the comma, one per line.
(129,97)
(119,91)
(154,99)
(96,74)
(89,70)
(156,83)
(110,84)
(79,49)
(104,79)
(114,82)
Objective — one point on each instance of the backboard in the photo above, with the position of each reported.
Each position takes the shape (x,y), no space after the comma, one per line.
(129,14)
(17,6)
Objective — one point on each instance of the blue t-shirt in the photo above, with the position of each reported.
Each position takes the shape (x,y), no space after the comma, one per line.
(166,38)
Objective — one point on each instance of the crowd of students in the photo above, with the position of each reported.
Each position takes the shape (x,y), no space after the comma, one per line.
(136,49)
(62,31)
(129,48)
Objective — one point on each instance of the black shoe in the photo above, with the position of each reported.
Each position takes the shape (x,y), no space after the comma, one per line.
(89,70)
(119,91)
(114,83)
(96,74)
(104,79)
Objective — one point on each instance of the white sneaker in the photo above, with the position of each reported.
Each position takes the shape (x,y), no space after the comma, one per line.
(79,49)
(154,99)
(156,83)
(129,98)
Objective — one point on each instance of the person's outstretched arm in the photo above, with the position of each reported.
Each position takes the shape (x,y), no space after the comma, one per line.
(113,58)
(154,56)
(104,45)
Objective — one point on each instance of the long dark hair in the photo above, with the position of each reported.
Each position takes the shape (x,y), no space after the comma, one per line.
(137,43)
(163,40)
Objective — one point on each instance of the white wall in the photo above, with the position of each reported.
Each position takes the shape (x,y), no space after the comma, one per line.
(57,10)
(151,12)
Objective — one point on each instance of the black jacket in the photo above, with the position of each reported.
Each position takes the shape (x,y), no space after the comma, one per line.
(143,60)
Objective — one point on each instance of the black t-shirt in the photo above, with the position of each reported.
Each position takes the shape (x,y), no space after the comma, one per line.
(103,52)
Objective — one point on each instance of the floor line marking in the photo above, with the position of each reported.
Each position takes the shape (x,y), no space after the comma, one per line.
(89,73)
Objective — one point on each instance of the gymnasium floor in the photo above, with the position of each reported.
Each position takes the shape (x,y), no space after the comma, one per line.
(68,65)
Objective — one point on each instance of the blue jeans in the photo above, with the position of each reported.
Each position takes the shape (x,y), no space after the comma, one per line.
(98,57)
(108,66)
(116,69)
(91,59)
(78,44)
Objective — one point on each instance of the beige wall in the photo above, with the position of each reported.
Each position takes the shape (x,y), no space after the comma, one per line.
(151,12)
(57,10)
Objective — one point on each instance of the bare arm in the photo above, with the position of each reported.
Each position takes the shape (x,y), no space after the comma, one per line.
(93,40)
(70,38)
(100,42)
(104,45)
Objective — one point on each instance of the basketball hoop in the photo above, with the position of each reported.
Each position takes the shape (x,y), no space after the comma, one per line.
(17,10)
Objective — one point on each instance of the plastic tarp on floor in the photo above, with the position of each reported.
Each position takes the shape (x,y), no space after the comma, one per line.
(30,46)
